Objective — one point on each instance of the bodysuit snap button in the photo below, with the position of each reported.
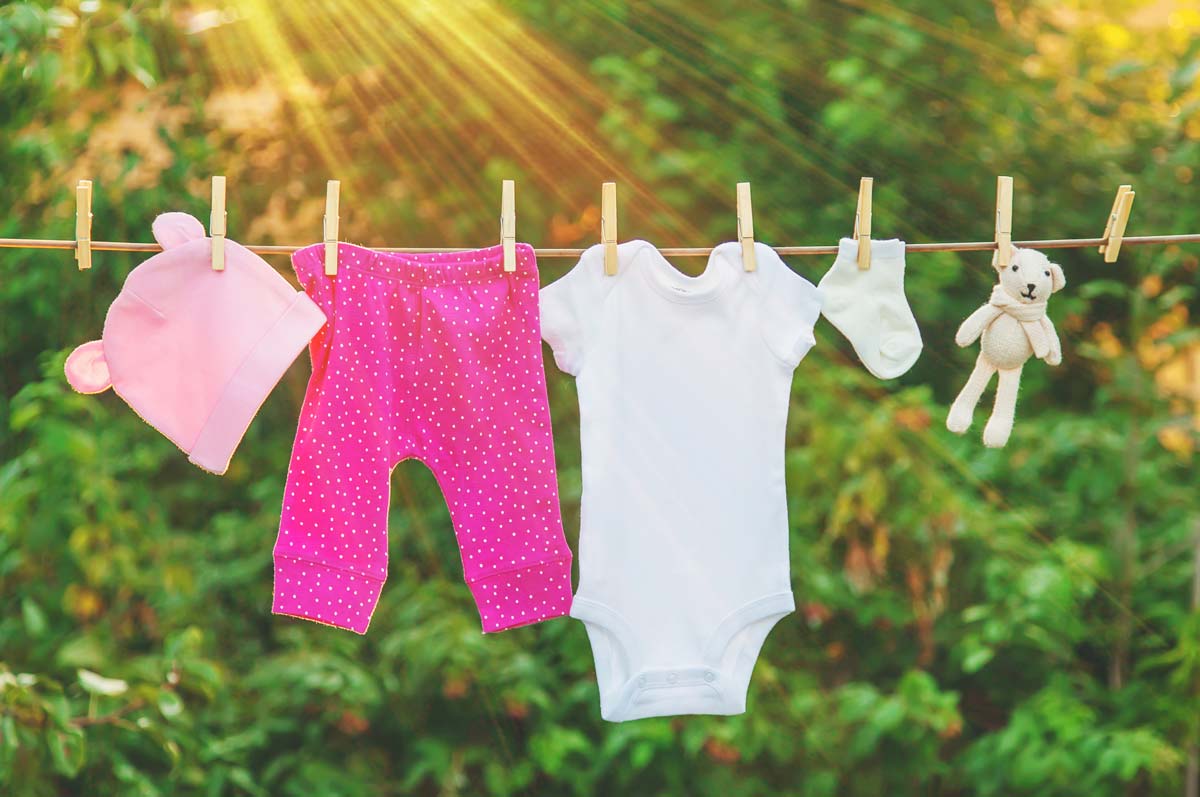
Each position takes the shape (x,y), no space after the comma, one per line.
(709,676)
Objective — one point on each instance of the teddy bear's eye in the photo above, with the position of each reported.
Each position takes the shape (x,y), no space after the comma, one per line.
(1014,266)
(1047,273)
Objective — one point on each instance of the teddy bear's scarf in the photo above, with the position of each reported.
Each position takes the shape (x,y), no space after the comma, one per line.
(1032,317)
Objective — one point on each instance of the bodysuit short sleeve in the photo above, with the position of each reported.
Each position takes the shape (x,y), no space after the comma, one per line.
(791,307)
(570,309)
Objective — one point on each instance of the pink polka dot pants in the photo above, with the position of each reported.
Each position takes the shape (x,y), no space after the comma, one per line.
(436,357)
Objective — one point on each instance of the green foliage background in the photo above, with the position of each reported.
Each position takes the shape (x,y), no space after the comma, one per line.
(971,622)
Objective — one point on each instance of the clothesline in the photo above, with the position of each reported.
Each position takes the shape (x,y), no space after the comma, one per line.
(957,246)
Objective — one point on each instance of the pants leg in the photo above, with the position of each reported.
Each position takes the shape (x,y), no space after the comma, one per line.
(486,435)
(331,553)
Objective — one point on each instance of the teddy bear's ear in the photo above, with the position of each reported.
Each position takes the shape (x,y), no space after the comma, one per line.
(86,368)
(1058,280)
(1013,258)
(174,229)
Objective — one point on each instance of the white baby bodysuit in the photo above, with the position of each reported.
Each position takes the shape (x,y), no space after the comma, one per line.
(683,385)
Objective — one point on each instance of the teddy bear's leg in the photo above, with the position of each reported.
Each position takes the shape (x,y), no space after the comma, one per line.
(963,407)
(1000,425)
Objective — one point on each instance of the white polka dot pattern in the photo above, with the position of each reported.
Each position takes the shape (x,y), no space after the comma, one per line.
(435,357)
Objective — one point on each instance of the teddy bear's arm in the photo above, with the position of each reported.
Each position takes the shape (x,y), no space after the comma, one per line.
(1054,356)
(976,322)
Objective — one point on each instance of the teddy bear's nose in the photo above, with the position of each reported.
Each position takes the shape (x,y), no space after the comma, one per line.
(1030,286)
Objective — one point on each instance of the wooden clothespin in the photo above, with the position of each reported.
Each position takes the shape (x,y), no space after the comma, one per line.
(508,223)
(608,226)
(329,226)
(745,231)
(1118,218)
(216,223)
(1004,201)
(83,224)
(862,222)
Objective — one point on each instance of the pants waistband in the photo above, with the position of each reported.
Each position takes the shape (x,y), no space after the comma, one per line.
(440,268)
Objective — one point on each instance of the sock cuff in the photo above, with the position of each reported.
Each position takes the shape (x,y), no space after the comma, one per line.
(889,249)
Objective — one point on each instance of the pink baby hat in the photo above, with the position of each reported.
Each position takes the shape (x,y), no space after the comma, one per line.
(195,351)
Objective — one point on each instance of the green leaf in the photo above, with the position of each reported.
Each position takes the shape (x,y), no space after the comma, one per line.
(976,659)
(973,614)
(59,710)
(169,704)
(8,745)
(641,755)
(34,617)
(1185,75)
(1103,287)
(889,714)
(1176,295)
(84,650)
(67,751)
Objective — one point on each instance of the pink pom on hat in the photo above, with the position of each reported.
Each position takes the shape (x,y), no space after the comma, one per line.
(193,351)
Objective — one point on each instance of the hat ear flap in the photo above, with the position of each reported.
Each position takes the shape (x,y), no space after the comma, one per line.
(86,368)
(175,229)
(1058,280)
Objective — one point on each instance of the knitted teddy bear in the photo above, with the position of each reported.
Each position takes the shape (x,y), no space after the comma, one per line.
(1013,326)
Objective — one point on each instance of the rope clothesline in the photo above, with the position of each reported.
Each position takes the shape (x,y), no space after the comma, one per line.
(959,246)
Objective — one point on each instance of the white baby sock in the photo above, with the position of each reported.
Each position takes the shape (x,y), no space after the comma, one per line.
(870,309)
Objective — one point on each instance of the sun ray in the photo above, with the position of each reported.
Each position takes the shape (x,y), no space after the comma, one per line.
(285,66)
(400,142)
(472,64)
